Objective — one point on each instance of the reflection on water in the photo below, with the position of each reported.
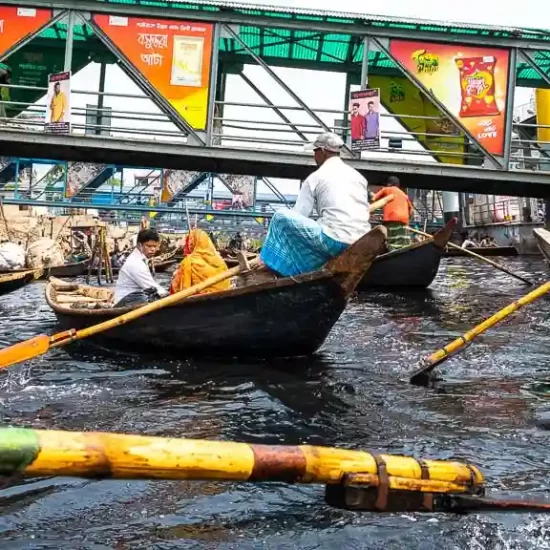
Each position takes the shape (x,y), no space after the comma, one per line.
(492,408)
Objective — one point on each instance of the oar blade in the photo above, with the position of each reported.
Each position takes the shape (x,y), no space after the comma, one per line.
(24,351)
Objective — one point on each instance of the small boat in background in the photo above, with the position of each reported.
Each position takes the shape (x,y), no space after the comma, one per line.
(17,279)
(484,251)
(543,240)
(413,266)
(74,269)
(160,267)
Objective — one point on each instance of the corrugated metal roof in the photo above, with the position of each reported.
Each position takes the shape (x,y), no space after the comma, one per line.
(427,24)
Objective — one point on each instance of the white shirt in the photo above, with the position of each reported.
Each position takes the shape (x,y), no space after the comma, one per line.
(339,194)
(134,275)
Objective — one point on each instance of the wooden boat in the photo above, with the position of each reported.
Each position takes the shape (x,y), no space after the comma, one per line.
(284,317)
(543,240)
(160,267)
(484,251)
(17,279)
(413,266)
(232,261)
(75,269)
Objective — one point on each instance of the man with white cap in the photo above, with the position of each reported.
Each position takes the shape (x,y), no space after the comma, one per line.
(295,243)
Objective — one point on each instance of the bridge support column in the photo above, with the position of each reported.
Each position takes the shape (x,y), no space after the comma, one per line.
(451,205)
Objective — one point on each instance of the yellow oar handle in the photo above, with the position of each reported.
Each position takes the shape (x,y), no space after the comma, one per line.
(153,306)
(444,353)
(381,202)
(479,257)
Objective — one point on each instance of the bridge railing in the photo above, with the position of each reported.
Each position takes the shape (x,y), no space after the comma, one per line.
(289,127)
(503,211)
(530,146)
(276,127)
(136,121)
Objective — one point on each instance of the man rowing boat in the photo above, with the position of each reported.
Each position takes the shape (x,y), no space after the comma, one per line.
(135,284)
(295,243)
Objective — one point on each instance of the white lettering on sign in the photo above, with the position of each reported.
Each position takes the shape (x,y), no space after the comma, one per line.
(118,21)
(1,25)
(152,59)
(26,12)
(153,41)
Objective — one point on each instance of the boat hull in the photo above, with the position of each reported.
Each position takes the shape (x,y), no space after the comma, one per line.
(279,321)
(404,268)
(10,286)
(76,269)
(484,251)
(161,267)
(413,266)
(543,240)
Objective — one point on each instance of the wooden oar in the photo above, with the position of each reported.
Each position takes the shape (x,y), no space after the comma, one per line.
(482,258)
(41,344)
(381,202)
(468,503)
(421,376)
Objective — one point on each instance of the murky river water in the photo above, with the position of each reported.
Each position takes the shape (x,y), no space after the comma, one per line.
(354,394)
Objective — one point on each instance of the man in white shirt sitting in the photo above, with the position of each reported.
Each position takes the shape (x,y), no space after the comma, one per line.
(295,243)
(135,283)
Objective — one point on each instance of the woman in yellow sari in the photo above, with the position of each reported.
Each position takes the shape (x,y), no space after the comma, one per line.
(201,262)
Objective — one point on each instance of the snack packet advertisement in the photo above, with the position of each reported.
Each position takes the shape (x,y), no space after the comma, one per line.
(470,82)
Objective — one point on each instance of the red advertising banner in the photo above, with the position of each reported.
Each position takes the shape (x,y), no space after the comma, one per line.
(18,23)
(174,56)
(471,82)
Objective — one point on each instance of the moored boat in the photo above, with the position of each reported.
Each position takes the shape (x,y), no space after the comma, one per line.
(278,318)
(413,266)
(74,269)
(484,251)
(160,267)
(17,279)
(543,240)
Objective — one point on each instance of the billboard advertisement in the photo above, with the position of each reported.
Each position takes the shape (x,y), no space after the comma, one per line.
(58,103)
(471,82)
(173,56)
(18,24)
(400,96)
(364,107)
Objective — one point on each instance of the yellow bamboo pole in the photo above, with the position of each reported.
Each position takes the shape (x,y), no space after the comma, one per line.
(111,455)
(477,256)
(381,203)
(436,358)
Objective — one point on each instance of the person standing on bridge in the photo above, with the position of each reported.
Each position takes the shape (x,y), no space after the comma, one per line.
(295,243)
(396,214)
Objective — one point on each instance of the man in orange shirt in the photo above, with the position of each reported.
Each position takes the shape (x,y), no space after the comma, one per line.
(396,214)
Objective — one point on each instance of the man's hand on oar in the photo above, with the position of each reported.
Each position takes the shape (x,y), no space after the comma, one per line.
(41,344)
(422,375)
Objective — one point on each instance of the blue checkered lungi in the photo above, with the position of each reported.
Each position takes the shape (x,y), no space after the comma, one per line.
(296,244)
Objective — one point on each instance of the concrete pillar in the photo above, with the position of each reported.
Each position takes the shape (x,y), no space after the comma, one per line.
(451,205)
